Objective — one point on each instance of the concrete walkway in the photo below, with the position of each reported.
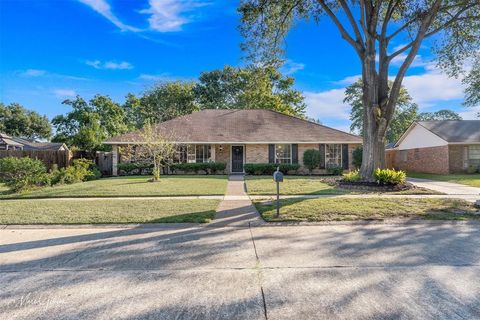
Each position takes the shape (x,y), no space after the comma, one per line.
(445,187)
(236,209)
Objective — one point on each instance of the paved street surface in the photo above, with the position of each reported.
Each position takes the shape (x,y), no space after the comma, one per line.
(378,271)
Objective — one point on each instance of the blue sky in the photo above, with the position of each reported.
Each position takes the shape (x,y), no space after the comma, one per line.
(53,50)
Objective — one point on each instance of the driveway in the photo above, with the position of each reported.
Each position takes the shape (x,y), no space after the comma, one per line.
(378,271)
(446,187)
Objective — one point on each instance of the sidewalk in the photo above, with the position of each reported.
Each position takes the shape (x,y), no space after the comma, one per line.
(236,209)
(446,187)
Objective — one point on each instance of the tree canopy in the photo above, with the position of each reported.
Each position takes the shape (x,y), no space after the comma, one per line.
(443,114)
(374,29)
(17,121)
(90,123)
(251,87)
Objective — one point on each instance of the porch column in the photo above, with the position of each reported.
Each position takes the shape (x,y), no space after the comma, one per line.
(114,160)
(212,152)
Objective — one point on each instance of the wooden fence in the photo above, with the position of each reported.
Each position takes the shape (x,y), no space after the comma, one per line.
(61,158)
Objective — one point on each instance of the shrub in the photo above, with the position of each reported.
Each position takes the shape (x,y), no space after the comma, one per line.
(389,176)
(208,167)
(269,168)
(286,167)
(473,169)
(132,168)
(20,174)
(352,176)
(357,155)
(81,170)
(335,170)
(311,159)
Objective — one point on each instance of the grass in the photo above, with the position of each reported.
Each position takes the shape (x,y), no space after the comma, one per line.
(467,179)
(106,211)
(291,185)
(135,186)
(344,209)
(307,185)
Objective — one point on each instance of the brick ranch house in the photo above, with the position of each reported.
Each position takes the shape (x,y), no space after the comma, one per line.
(450,146)
(237,137)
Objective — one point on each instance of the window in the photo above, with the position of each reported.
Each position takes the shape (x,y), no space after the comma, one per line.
(193,153)
(283,153)
(474,155)
(403,155)
(333,155)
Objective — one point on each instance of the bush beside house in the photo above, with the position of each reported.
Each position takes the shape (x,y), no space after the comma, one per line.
(21,174)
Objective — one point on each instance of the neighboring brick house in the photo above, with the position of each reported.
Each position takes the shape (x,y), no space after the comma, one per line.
(237,137)
(450,146)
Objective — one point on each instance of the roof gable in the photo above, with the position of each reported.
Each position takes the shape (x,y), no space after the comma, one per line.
(243,126)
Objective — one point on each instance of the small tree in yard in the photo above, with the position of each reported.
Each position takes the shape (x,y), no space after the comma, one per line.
(311,159)
(155,146)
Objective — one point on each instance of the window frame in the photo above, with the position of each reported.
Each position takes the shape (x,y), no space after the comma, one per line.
(338,148)
(276,158)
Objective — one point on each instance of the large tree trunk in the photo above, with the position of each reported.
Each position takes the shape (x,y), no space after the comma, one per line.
(373,151)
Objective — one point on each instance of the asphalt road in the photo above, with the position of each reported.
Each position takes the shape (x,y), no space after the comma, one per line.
(418,271)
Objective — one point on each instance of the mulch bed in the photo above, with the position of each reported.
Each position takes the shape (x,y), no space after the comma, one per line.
(370,186)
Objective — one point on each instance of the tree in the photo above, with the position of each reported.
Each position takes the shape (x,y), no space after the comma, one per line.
(156,147)
(406,111)
(311,159)
(249,88)
(90,123)
(444,114)
(162,102)
(17,121)
(373,28)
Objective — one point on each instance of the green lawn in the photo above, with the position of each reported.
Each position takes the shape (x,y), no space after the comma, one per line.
(291,185)
(467,179)
(339,209)
(135,186)
(106,211)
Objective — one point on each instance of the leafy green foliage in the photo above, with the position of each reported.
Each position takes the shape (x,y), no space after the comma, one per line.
(352,176)
(335,170)
(444,114)
(357,156)
(90,123)
(17,121)
(81,170)
(132,168)
(269,168)
(162,102)
(389,176)
(405,113)
(21,174)
(311,159)
(207,167)
(251,87)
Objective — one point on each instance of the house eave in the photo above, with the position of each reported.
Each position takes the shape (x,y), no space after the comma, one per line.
(239,142)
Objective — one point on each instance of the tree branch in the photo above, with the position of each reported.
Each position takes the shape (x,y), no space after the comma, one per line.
(352,21)
(341,28)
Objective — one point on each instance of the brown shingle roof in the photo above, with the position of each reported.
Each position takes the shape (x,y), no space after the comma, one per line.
(243,126)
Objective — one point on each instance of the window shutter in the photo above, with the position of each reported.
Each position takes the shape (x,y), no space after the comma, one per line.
(345,160)
(271,153)
(322,156)
(294,153)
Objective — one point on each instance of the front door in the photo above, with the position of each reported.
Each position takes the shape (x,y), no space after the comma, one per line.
(237,158)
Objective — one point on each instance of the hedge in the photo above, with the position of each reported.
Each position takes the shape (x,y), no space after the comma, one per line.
(130,167)
(208,167)
(269,168)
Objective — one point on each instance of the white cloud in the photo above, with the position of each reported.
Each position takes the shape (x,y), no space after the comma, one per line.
(470,113)
(327,105)
(433,86)
(33,73)
(103,8)
(64,93)
(290,67)
(170,15)
(154,77)
(348,80)
(112,65)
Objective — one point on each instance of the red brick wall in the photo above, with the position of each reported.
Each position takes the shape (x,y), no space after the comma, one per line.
(428,160)
(456,158)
